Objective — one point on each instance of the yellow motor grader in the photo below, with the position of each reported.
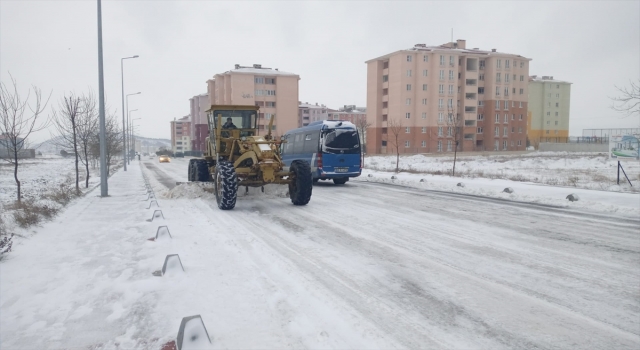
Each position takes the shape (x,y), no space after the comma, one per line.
(236,156)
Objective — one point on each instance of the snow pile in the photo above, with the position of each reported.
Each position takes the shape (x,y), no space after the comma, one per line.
(192,190)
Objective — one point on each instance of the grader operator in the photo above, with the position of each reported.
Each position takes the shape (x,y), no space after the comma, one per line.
(236,156)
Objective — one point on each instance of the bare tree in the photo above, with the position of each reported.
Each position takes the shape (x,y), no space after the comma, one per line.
(362,125)
(88,123)
(454,124)
(17,124)
(395,128)
(65,122)
(628,102)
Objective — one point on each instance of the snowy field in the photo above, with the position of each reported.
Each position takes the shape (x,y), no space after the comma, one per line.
(378,263)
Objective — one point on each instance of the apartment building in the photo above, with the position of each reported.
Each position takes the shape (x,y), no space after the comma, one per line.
(199,129)
(549,108)
(180,134)
(435,91)
(308,113)
(274,91)
(349,113)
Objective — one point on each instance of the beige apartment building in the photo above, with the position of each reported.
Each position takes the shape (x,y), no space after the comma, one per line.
(549,108)
(274,91)
(308,113)
(198,105)
(180,134)
(420,86)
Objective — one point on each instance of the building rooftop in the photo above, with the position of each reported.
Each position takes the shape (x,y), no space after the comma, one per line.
(258,69)
(546,78)
(309,105)
(458,47)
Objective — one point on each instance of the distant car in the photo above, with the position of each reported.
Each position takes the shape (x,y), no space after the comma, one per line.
(164,159)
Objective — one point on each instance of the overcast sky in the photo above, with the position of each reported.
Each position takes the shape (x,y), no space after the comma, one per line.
(53,45)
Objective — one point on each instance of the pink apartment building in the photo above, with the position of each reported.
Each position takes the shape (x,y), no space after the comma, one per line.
(308,113)
(199,128)
(274,91)
(420,86)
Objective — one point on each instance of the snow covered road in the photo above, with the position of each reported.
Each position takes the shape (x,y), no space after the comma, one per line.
(386,266)
(363,265)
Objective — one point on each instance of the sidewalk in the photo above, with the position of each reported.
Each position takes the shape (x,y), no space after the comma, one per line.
(84,280)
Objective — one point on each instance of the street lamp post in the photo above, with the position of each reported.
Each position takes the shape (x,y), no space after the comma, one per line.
(133,134)
(129,131)
(104,186)
(127,128)
(124,151)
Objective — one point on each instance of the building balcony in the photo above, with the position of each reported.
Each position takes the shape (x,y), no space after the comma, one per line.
(385,98)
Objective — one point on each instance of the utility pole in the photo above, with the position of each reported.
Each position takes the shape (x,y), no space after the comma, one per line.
(104,186)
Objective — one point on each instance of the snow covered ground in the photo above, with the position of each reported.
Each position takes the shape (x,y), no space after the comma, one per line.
(403,264)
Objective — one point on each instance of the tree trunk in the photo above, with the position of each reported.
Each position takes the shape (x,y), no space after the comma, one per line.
(15,171)
(455,154)
(75,149)
(397,159)
(86,165)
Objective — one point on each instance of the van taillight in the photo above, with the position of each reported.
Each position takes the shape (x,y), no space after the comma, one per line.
(319,160)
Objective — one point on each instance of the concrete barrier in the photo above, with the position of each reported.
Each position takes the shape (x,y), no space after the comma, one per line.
(573,147)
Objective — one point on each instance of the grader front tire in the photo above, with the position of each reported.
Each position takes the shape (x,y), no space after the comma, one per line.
(226,185)
(302,185)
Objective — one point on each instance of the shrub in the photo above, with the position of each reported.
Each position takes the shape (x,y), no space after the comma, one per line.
(27,212)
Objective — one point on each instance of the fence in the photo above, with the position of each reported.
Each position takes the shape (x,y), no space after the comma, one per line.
(22,154)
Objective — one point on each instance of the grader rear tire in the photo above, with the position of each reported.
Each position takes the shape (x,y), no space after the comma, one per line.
(191,175)
(302,185)
(201,171)
(226,185)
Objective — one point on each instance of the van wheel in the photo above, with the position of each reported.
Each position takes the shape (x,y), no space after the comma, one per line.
(340,181)
(226,185)
(301,186)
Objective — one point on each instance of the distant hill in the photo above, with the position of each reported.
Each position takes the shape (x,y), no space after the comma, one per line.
(148,145)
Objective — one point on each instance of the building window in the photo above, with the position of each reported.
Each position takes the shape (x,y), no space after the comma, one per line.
(479,131)
(480,103)
(480,116)
(513,129)
(506,91)
(497,131)
(424,101)
(497,91)
(557,95)
(520,129)
(450,75)
(506,64)
(441,89)
(408,72)
(425,73)
(424,115)
(497,104)
(408,58)
(546,132)
(441,74)
(425,58)
(506,77)
(408,87)
(449,131)
(519,142)
(497,118)
(424,129)
(481,64)
(496,145)
(449,145)
(440,117)
(408,102)
(440,103)
(498,77)
(259,80)
(439,146)
(548,122)
(557,104)
(522,78)
(498,63)
(520,116)
(439,131)
(384,143)
(520,104)
(505,131)
(407,130)
(424,87)
(557,86)
(556,122)
(521,91)
(407,115)
(556,114)
(506,118)
(450,103)
(441,60)
(270,104)
(481,76)
(385,78)
(481,90)
(406,144)
(450,89)
(548,113)
(521,64)
(271,81)
(424,143)
(451,60)
(506,105)
(504,145)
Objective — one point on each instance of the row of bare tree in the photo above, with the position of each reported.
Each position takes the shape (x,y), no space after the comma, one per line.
(75,126)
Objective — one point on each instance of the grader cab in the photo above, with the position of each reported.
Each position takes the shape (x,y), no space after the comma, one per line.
(236,156)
